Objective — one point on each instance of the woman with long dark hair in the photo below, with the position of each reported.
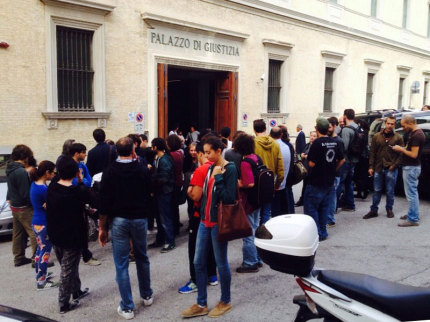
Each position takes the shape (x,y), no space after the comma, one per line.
(44,172)
(245,145)
(220,186)
(163,181)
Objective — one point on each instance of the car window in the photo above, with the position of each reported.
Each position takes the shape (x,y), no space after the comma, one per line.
(423,119)
(3,161)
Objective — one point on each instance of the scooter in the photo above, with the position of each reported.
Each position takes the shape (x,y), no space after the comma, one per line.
(288,244)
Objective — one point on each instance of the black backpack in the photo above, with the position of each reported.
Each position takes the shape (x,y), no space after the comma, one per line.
(359,143)
(264,183)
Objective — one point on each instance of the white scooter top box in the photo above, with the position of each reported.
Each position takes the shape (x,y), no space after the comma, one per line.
(288,243)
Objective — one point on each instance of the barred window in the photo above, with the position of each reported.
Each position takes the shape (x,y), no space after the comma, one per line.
(405,14)
(374,8)
(369,92)
(274,95)
(74,70)
(400,97)
(328,89)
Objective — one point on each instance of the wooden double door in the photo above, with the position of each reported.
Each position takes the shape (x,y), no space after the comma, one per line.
(225,96)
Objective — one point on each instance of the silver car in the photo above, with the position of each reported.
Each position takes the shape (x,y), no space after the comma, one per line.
(5,212)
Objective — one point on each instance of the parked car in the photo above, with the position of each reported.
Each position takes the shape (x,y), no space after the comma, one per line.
(378,123)
(11,314)
(370,116)
(5,212)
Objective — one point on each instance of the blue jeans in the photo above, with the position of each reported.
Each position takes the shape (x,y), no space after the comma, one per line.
(390,178)
(346,185)
(265,213)
(122,230)
(317,204)
(410,182)
(205,236)
(250,256)
(164,203)
(333,201)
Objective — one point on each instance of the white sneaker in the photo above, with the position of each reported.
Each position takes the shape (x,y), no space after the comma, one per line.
(126,314)
(152,231)
(147,301)
(93,262)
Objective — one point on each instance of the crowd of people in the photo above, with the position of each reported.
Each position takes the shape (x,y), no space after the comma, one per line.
(132,189)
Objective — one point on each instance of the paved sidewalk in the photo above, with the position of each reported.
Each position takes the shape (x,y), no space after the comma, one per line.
(375,246)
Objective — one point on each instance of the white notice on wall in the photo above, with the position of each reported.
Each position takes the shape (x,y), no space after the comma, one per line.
(139,128)
(131,116)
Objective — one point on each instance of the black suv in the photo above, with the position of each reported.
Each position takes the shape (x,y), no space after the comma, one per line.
(369,117)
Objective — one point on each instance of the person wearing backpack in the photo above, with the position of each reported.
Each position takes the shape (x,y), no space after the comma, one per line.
(349,135)
(244,144)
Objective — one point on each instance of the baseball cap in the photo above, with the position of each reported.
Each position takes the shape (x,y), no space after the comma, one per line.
(322,123)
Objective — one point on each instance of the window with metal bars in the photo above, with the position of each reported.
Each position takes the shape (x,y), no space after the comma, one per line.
(274,87)
(428,22)
(401,89)
(405,14)
(369,92)
(328,89)
(374,8)
(74,70)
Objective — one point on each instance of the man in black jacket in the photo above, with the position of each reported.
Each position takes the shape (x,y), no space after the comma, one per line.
(124,196)
(101,155)
(18,195)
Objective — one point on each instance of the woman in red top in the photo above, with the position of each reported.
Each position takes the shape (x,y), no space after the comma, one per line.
(220,186)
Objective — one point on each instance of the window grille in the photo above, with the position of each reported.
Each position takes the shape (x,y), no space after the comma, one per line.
(369,91)
(400,98)
(274,93)
(374,8)
(328,89)
(74,70)
(428,22)
(405,14)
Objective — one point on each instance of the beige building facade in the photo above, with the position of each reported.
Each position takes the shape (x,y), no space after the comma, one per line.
(70,66)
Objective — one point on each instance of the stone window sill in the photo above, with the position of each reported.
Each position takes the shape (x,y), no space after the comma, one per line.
(53,117)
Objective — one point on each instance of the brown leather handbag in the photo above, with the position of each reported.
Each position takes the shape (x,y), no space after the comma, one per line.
(232,221)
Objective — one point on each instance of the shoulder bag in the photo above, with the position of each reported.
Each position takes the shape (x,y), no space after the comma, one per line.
(232,221)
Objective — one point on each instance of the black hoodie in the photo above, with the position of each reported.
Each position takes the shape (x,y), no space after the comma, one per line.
(124,190)
(65,220)
(18,185)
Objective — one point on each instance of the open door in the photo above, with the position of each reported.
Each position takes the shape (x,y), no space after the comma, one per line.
(226,102)
(162,79)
